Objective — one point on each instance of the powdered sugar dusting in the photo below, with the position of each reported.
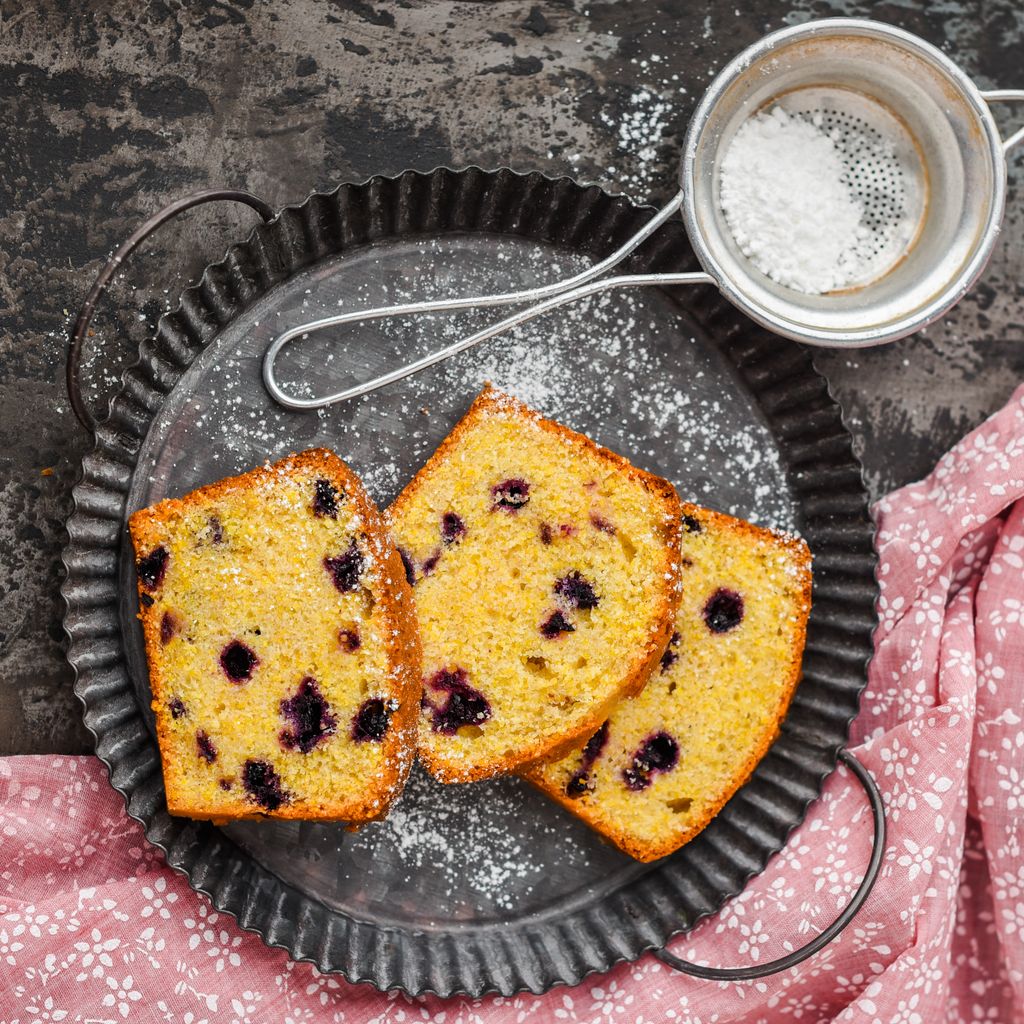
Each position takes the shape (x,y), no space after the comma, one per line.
(628,368)
(639,133)
(611,368)
(455,832)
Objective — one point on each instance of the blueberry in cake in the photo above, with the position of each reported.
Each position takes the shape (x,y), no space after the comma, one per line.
(665,762)
(546,576)
(282,650)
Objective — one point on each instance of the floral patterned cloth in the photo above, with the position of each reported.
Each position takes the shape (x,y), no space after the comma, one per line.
(94,927)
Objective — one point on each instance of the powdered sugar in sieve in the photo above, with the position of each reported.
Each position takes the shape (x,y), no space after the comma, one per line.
(823,189)
(883,169)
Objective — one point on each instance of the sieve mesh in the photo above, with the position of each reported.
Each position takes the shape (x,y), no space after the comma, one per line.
(920,151)
(873,174)
(882,169)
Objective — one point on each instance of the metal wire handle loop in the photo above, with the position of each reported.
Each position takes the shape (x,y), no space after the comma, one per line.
(555,294)
(1007,96)
(819,941)
(78,332)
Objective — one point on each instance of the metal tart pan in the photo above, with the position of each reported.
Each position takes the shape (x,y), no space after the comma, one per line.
(483,888)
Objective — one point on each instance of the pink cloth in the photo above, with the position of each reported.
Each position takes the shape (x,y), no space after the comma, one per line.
(93,926)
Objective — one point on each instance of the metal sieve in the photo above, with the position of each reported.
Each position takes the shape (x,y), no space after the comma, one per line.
(920,151)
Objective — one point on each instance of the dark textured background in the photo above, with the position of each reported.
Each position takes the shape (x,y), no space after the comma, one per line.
(110,110)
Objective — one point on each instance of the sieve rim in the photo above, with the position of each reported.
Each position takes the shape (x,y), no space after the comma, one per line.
(957,286)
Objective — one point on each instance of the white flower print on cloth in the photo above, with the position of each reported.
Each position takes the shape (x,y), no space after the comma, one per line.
(122,994)
(93,926)
(95,955)
(44,1010)
(9,948)
(161,902)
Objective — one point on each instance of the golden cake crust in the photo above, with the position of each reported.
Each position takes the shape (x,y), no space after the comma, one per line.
(644,662)
(670,841)
(394,593)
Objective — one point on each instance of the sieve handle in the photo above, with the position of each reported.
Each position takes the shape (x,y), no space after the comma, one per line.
(558,293)
(1007,96)
(561,299)
(850,911)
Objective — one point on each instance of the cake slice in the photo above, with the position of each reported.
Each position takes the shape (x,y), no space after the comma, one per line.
(283,657)
(664,763)
(546,576)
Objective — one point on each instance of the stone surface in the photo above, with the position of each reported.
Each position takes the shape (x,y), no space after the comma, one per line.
(111,110)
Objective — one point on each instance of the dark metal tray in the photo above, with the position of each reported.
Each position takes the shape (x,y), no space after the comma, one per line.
(487,887)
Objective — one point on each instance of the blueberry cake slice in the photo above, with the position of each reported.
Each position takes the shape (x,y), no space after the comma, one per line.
(546,575)
(665,762)
(283,657)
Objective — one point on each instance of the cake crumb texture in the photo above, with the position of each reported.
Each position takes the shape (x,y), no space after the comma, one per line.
(664,763)
(546,575)
(283,657)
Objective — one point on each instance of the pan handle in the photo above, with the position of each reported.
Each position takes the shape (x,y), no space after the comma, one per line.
(143,231)
(1007,96)
(819,941)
